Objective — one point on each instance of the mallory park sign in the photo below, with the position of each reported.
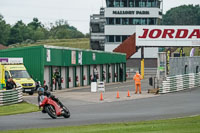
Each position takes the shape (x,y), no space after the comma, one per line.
(176,36)
(132,12)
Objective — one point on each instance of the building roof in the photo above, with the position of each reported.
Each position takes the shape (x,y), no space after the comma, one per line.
(3,47)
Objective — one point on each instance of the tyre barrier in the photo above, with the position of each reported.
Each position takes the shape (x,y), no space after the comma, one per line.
(8,97)
(180,82)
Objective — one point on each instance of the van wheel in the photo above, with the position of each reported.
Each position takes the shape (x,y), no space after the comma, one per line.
(30,93)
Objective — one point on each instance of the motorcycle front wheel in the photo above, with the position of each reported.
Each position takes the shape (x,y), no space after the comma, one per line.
(66,113)
(51,111)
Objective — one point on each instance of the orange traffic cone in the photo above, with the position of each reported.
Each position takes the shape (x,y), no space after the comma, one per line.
(128,94)
(118,94)
(101,97)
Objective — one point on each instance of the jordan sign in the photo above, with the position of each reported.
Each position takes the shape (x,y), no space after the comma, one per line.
(155,36)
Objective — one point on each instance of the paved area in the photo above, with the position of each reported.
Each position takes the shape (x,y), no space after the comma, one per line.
(172,105)
(83,95)
(89,98)
(86,108)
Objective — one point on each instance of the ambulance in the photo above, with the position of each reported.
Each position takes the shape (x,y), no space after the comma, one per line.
(14,67)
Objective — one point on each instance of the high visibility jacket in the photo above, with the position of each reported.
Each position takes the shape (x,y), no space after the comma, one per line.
(137,78)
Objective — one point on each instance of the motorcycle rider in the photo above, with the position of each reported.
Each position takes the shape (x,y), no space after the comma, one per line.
(45,100)
(42,93)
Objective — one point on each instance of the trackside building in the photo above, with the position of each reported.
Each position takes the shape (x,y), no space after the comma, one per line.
(119,20)
(75,65)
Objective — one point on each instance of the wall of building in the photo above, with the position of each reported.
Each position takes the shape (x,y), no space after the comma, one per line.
(184,65)
(42,61)
(135,12)
(32,58)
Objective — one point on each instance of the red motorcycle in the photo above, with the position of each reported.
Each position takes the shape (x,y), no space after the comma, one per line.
(54,107)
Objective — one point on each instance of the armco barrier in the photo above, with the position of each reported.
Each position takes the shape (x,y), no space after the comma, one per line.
(180,82)
(8,97)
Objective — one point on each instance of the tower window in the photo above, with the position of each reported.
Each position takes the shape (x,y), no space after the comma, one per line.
(111,21)
(110,3)
(111,39)
(117,3)
(118,21)
(118,38)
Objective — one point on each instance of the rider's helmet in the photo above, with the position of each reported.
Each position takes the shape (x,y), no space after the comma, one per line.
(40,91)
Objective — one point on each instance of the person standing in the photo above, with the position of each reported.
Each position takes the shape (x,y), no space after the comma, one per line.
(57,78)
(104,75)
(10,84)
(95,73)
(121,74)
(137,77)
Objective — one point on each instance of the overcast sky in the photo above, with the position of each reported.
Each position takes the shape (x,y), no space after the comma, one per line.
(76,12)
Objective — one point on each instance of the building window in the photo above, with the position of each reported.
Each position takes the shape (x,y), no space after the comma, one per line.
(136,21)
(125,21)
(152,21)
(143,21)
(110,21)
(137,3)
(123,3)
(143,3)
(149,3)
(111,39)
(124,38)
(130,21)
(158,4)
(153,3)
(118,21)
(131,3)
(117,3)
(110,3)
(118,38)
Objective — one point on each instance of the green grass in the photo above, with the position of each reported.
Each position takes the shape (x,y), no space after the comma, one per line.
(18,109)
(82,43)
(180,125)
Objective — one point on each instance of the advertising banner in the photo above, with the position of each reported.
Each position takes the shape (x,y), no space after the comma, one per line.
(11,60)
(157,36)
(73,57)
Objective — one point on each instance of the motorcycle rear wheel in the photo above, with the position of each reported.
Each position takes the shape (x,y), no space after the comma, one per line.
(51,111)
(66,112)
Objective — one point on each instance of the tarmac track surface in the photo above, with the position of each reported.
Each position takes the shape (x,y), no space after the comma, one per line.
(161,107)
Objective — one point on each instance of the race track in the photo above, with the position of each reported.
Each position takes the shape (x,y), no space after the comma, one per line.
(165,106)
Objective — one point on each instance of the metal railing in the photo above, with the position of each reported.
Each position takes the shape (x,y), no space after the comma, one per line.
(13,96)
(180,82)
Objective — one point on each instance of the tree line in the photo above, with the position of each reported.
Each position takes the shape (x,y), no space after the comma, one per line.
(182,15)
(35,30)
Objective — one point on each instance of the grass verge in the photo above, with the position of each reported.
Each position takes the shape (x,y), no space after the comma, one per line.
(82,43)
(18,109)
(179,125)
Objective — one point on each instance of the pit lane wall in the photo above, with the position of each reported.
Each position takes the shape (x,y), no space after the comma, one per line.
(8,97)
(180,82)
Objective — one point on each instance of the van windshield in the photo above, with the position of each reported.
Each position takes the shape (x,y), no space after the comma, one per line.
(19,74)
